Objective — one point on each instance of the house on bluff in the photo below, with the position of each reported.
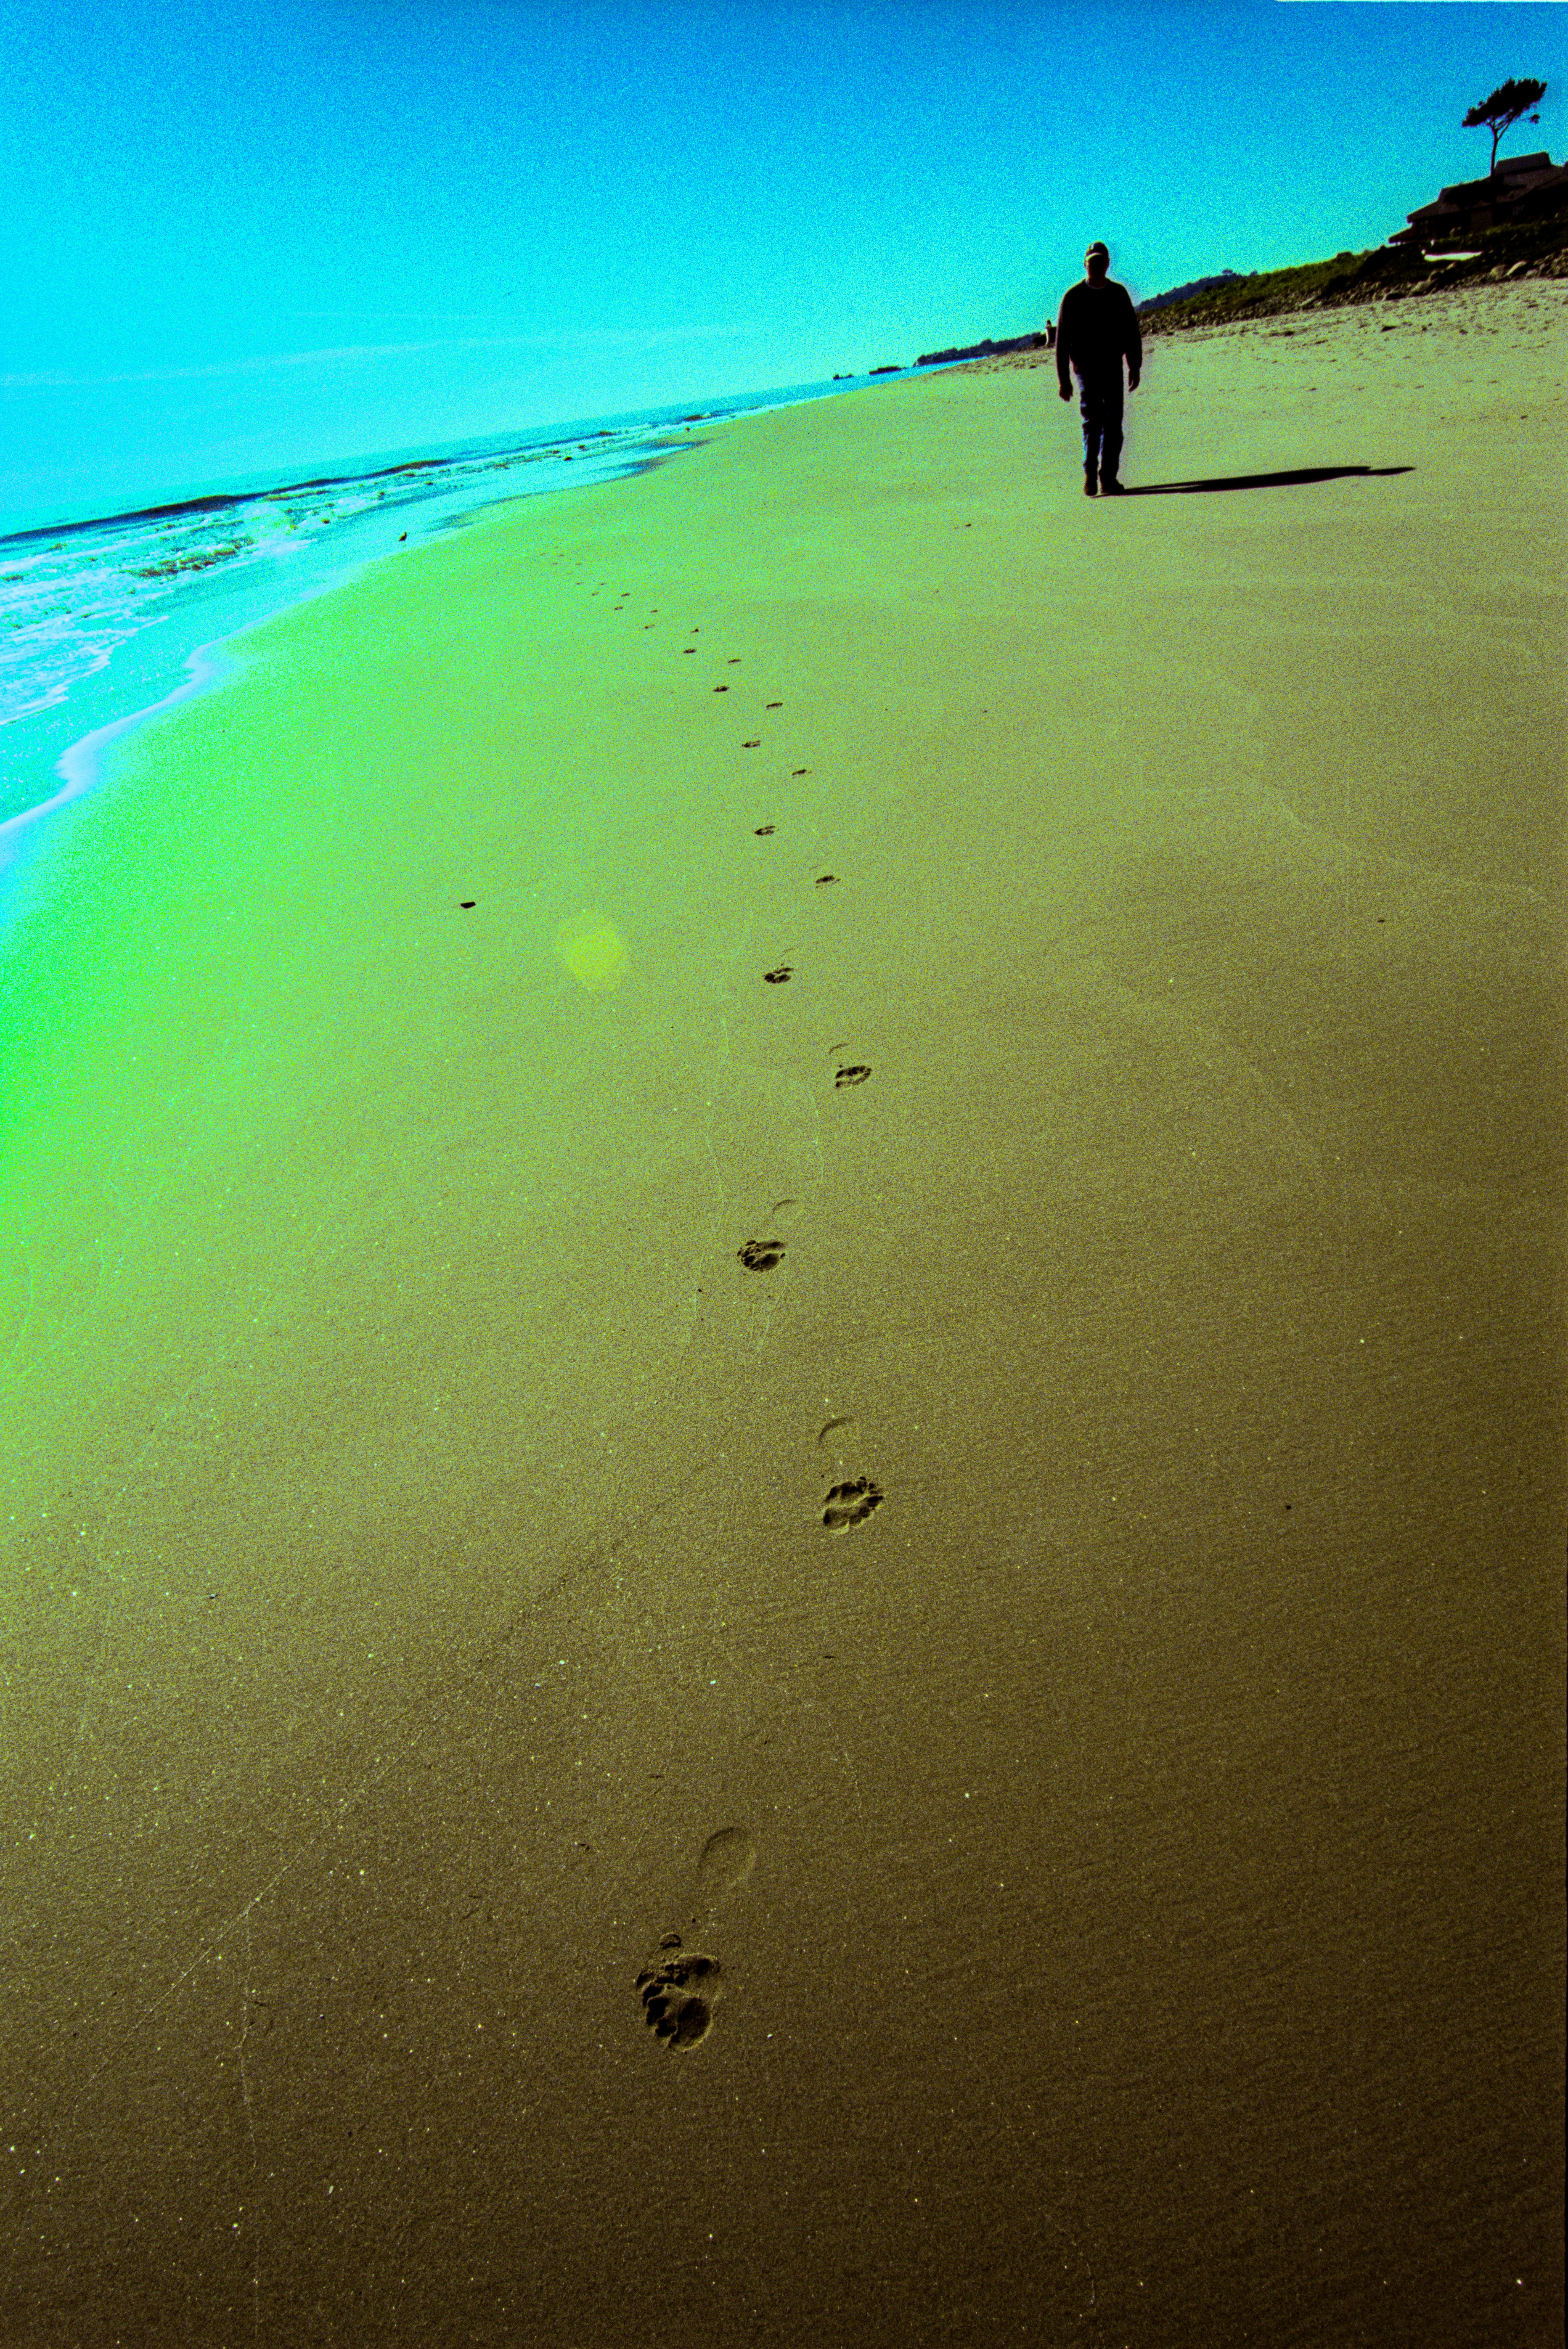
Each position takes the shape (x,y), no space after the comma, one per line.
(1521,188)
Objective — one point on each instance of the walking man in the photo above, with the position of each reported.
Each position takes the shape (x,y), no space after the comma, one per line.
(1096,329)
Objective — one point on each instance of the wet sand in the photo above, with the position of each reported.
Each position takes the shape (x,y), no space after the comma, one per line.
(817,1203)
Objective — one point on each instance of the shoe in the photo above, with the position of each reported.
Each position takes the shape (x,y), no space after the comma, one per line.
(1111,488)
(1088,485)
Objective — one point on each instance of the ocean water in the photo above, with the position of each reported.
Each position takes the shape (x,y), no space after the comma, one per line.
(105,618)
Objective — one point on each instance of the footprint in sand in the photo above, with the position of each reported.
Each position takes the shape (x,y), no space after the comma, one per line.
(763,829)
(777,978)
(761,1256)
(851,1504)
(679,1988)
(855,1075)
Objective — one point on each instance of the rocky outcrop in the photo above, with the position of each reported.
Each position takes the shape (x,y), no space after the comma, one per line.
(1524,188)
(1533,242)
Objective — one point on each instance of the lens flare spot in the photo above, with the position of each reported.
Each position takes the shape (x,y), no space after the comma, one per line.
(593,950)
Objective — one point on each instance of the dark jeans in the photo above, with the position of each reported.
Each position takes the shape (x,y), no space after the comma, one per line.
(1100,406)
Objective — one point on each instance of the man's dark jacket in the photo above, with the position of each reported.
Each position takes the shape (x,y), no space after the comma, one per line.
(1096,327)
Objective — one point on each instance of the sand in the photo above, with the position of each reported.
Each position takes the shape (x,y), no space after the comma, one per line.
(1101,962)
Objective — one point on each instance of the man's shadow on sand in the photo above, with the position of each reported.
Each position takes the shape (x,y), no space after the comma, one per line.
(1261,481)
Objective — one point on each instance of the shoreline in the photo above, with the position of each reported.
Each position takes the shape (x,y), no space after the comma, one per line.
(823,1213)
(82,766)
(257,598)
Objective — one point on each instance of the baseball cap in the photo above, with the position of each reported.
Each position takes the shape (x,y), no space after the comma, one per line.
(1098,247)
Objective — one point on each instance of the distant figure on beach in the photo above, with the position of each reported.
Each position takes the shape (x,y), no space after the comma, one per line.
(1096,328)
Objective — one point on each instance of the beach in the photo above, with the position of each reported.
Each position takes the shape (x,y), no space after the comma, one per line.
(808,1214)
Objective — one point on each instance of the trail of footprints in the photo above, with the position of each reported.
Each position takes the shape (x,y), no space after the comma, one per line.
(680,1985)
(846,1504)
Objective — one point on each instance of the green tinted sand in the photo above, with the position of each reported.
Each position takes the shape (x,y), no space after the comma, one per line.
(1122,1832)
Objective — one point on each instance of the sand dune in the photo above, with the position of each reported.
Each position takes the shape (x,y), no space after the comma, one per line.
(787,1283)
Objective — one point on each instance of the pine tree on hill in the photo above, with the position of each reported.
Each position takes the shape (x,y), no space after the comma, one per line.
(1503,109)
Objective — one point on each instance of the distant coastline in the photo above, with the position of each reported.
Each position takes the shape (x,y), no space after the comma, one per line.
(986,349)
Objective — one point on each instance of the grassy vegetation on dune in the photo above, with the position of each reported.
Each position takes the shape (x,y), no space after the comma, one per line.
(1258,295)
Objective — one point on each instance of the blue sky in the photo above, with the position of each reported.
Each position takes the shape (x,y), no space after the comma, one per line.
(241,237)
